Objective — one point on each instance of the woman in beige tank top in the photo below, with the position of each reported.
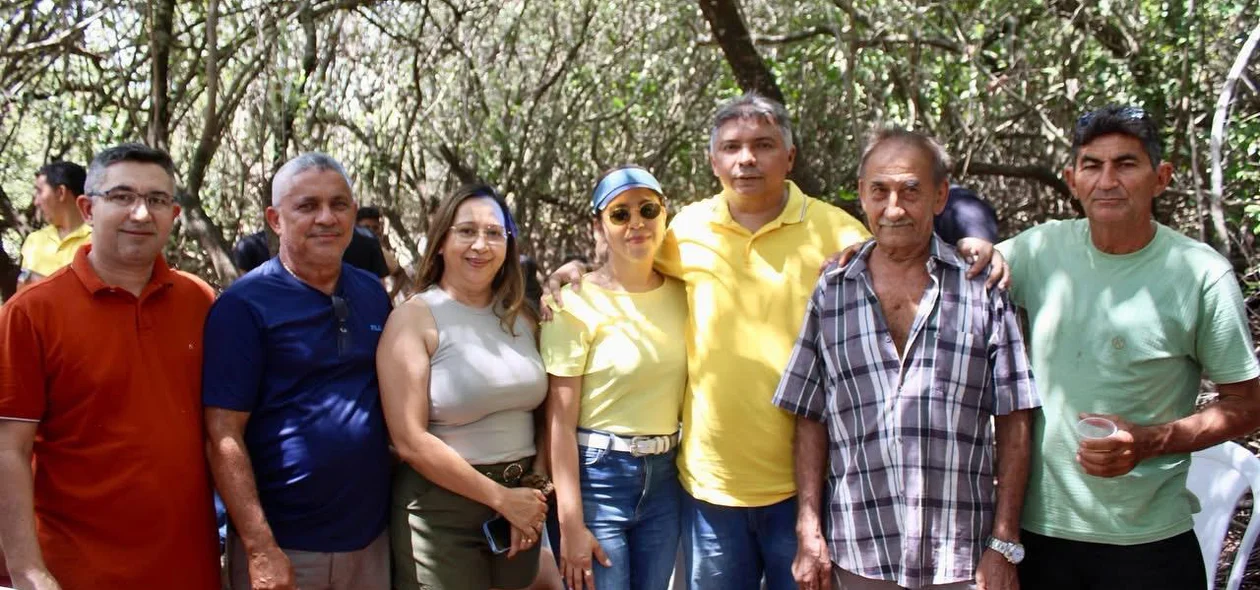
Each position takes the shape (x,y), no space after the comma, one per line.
(460,377)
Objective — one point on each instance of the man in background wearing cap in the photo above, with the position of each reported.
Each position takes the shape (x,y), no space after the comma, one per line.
(750,258)
(1127,316)
(297,439)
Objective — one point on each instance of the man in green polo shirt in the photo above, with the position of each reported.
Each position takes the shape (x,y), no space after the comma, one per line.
(1126,316)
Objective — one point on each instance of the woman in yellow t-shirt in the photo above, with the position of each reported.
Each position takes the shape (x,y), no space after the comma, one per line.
(617,365)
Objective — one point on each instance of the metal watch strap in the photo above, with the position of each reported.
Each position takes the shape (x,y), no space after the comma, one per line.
(1006,548)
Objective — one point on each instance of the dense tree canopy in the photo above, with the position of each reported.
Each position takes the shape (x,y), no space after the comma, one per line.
(537,97)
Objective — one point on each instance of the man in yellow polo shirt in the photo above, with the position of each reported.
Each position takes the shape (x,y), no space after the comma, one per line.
(749,257)
(57,185)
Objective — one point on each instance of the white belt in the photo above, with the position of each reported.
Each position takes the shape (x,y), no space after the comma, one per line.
(635,445)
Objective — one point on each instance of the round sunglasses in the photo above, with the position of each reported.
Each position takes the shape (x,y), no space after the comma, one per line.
(620,215)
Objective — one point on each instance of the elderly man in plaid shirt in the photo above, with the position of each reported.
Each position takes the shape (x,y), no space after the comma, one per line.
(900,364)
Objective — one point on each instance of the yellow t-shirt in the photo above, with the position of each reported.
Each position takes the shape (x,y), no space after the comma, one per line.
(627,347)
(44,251)
(746,294)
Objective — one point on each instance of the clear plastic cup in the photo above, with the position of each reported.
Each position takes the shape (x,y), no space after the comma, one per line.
(1095,427)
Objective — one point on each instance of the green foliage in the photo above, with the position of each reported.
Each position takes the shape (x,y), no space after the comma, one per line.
(539,97)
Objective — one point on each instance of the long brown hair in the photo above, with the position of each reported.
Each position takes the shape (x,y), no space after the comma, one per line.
(507,297)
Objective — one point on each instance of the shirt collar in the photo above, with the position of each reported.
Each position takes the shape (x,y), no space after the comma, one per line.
(793,210)
(941,253)
(79,232)
(162,275)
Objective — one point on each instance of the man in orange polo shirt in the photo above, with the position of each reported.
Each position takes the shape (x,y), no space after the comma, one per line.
(100,374)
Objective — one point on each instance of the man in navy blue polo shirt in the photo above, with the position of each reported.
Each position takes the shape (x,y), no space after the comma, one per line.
(297,440)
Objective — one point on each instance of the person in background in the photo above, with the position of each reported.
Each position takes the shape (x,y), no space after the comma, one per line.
(369,218)
(461,379)
(103,479)
(57,189)
(618,368)
(533,287)
(966,216)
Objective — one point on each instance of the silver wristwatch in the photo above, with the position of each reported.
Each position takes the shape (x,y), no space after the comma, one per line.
(1013,552)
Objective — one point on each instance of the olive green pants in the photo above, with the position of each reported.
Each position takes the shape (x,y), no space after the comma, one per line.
(438,542)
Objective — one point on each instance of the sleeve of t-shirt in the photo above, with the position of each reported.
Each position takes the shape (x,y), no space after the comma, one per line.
(1017,264)
(26,254)
(1223,340)
(973,219)
(802,389)
(246,254)
(22,373)
(378,260)
(668,258)
(231,376)
(565,341)
(1013,385)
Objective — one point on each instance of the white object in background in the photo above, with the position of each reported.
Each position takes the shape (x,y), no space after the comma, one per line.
(1219,476)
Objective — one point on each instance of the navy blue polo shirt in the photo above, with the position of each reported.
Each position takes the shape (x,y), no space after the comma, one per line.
(274,347)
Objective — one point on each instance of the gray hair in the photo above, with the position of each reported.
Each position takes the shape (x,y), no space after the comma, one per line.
(941,164)
(127,152)
(300,164)
(751,105)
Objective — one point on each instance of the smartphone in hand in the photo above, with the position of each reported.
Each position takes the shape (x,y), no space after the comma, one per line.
(498,534)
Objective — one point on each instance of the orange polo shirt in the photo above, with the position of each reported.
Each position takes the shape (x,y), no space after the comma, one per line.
(122,490)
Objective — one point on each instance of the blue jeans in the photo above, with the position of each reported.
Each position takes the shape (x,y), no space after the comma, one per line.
(631,506)
(731,548)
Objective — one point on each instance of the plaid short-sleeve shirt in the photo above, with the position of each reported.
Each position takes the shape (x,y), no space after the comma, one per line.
(911,489)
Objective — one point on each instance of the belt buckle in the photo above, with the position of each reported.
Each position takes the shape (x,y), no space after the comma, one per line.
(642,445)
(513,472)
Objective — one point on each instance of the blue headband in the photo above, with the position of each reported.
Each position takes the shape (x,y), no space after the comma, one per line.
(619,181)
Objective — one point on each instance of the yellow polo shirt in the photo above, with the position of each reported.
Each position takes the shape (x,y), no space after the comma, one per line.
(746,294)
(44,251)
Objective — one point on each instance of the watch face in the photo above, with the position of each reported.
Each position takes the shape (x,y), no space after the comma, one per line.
(1017,554)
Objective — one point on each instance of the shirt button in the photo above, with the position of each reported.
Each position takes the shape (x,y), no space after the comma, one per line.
(887,338)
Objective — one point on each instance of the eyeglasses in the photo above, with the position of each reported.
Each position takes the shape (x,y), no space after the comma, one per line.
(155,201)
(620,215)
(468,233)
(341,310)
(1128,113)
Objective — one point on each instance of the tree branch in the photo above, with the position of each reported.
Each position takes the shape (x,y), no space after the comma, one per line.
(879,40)
(1040,174)
(1219,120)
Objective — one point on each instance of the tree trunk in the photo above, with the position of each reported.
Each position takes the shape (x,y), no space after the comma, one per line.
(161,24)
(8,285)
(1219,120)
(196,222)
(753,75)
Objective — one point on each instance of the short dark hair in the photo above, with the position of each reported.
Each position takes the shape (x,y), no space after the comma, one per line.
(67,174)
(1122,119)
(127,152)
(368,212)
(924,142)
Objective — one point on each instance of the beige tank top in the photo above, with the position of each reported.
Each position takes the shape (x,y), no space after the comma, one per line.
(484,383)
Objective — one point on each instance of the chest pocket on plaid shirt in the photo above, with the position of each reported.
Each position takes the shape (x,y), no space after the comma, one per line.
(962,369)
